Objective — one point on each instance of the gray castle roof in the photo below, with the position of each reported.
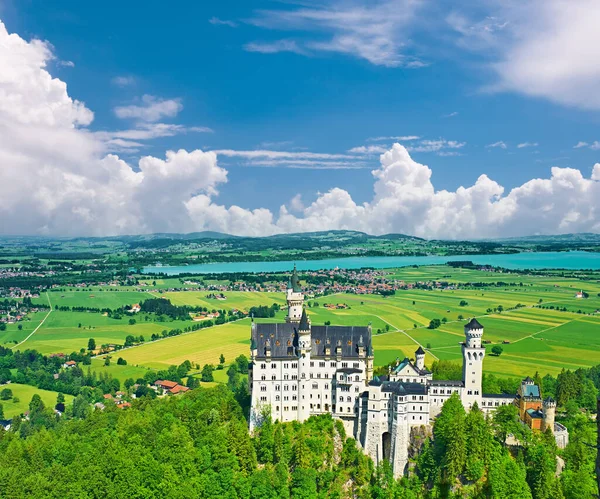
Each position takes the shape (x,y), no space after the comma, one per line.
(283,339)
(473,324)
(399,387)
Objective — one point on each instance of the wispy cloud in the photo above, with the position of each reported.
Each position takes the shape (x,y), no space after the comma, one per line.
(123,81)
(264,153)
(131,140)
(378,32)
(438,146)
(522,145)
(450,115)
(275,145)
(275,47)
(66,64)
(295,159)
(500,144)
(222,22)
(371,149)
(594,146)
(150,109)
(401,138)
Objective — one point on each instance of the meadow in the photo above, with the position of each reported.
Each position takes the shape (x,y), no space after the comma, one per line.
(533,338)
(24,393)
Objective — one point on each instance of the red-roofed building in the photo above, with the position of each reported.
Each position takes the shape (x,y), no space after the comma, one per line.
(165,384)
(178,389)
(69,364)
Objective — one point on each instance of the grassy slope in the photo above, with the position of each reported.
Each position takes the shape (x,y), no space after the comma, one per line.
(24,394)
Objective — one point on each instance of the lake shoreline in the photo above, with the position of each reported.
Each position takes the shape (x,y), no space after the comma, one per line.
(556,260)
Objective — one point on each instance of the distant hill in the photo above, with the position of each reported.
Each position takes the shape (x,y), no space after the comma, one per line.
(580,238)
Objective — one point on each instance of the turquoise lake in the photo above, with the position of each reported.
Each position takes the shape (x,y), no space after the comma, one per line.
(549,260)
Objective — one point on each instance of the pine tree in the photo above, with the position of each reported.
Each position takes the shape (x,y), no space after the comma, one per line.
(450,438)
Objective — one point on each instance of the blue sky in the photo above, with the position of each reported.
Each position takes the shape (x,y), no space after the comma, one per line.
(467,91)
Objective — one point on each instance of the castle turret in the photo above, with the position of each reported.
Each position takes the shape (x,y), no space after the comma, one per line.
(295,298)
(549,413)
(473,355)
(304,351)
(420,358)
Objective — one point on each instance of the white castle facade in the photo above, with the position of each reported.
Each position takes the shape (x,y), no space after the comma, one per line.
(298,370)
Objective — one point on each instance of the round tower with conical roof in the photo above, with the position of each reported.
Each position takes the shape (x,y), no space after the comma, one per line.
(304,354)
(473,354)
(295,298)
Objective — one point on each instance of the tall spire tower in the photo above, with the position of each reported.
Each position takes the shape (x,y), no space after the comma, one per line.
(295,298)
(473,354)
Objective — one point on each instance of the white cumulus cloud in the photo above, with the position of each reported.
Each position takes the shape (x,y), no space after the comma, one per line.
(62,182)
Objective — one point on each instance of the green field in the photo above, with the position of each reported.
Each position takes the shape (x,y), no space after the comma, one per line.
(106,297)
(540,339)
(234,299)
(199,347)
(24,394)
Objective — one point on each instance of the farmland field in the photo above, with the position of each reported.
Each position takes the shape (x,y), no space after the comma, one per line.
(24,393)
(533,338)
(200,347)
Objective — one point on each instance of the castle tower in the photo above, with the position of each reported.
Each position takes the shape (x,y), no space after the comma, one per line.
(304,382)
(473,354)
(295,298)
(420,358)
(549,412)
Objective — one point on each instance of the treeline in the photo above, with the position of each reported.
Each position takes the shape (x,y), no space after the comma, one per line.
(198,445)
(26,303)
(262,311)
(32,368)
(468,457)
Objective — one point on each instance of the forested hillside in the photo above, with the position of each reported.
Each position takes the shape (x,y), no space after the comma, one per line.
(198,446)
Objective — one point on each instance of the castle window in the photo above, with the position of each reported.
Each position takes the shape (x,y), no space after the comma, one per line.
(356,365)
(278,343)
(317,341)
(326,386)
(289,343)
(277,397)
(276,388)
(315,386)
(263,377)
(332,364)
(312,364)
(321,364)
(273,377)
(349,342)
(263,388)
(263,366)
(344,364)
(318,375)
(273,365)
(342,399)
(294,365)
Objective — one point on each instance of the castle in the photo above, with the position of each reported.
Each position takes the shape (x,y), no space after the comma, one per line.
(298,370)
